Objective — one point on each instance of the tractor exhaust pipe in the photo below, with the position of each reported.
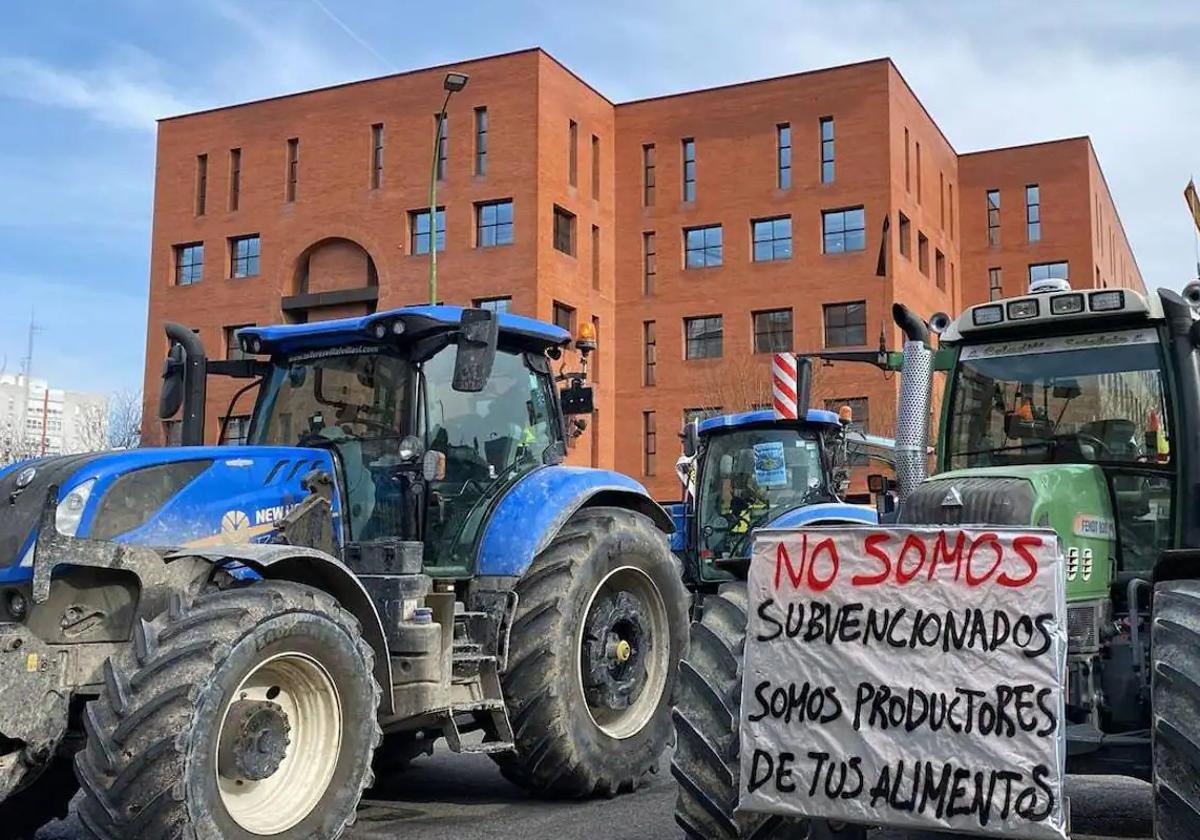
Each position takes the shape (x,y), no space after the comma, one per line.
(916,391)
(185,375)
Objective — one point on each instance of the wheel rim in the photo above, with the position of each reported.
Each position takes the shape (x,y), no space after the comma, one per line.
(624,647)
(284,725)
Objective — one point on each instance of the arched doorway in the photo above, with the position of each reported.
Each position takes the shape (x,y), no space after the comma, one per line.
(334,277)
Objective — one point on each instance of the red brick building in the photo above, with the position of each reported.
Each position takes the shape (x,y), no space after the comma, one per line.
(697,232)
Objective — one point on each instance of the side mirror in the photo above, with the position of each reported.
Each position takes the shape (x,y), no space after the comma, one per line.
(577,399)
(170,399)
(690,433)
(1067,389)
(476,350)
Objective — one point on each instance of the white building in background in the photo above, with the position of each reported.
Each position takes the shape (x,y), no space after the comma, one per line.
(36,419)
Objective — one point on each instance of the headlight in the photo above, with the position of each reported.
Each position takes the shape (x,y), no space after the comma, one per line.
(984,316)
(1066,304)
(70,509)
(1019,310)
(1106,301)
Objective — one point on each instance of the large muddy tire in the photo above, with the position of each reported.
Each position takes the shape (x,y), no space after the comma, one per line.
(42,801)
(1175,684)
(707,714)
(247,713)
(600,626)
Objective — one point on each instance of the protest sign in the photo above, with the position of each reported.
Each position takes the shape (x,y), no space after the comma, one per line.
(908,677)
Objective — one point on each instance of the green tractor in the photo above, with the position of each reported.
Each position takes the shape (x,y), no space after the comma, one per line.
(1074,410)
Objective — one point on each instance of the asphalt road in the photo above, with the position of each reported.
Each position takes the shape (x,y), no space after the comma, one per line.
(464,798)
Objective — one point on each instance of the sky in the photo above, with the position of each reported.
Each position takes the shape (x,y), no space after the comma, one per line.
(82,84)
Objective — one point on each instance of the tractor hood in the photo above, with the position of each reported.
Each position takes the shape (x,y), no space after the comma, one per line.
(182,496)
(1073,499)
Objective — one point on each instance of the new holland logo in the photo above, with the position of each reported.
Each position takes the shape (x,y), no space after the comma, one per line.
(233,521)
(952,498)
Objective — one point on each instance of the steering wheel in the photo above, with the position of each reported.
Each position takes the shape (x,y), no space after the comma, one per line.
(1101,447)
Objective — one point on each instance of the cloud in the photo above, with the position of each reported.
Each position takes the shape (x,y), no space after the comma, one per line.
(125,92)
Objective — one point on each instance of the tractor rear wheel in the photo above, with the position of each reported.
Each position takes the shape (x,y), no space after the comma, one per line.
(707,716)
(1175,685)
(600,626)
(246,713)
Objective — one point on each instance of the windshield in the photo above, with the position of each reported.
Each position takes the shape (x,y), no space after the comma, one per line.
(353,403)
(1072,399)
(749,477)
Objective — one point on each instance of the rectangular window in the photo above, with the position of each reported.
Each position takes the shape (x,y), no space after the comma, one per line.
(564,317)
(376,156)
(995,284)
(905,237)
(702,247)
(826,150)
(950,187)
(1049,271)
(1033,213)
(907,166)
(846,324)
(243,256)
(494,223)
(844,230)
(441,125)
(923,253)
(649,354)
(237,429)
(783,141)
(498,305)
(595,257)
(703,337)
(918,152)
(201,184)
(595,167)
(772,238)
(418,226)
(564,230)
(481,141)
(573,153)
(233,349)
(189,263)
(235,178)
(939,269)
(993,217)
(649,262)
(942,200)
(648,175)
(293,168)
(773,331)
(689,169)
(649,443)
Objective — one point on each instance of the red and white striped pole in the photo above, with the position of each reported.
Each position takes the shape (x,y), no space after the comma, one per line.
(783,386)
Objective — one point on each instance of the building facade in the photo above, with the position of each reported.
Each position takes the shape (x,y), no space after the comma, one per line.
(697,232)
(37,420)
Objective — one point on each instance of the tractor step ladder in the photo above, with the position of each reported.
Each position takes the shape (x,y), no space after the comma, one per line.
(478,674)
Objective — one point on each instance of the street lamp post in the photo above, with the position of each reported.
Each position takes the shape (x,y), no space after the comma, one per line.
(453,84)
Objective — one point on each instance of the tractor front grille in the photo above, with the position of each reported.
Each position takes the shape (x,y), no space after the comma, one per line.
(1083,626)
(974,500)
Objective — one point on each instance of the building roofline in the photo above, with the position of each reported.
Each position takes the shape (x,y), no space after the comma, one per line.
(353,83)
(937,126)
(1017,146)
(1120,221)
(748,82)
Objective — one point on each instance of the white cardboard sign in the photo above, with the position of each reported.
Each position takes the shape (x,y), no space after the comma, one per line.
(907,677)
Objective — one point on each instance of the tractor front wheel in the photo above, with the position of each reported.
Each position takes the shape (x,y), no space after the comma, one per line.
(247,713)
(707,717)
(1175,685)
(600,626)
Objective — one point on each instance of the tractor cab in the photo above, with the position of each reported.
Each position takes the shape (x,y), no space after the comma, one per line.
(430,414)
(750,470)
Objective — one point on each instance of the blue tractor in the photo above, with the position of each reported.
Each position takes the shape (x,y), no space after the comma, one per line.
(753,470)
(222,640)
(742,472)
